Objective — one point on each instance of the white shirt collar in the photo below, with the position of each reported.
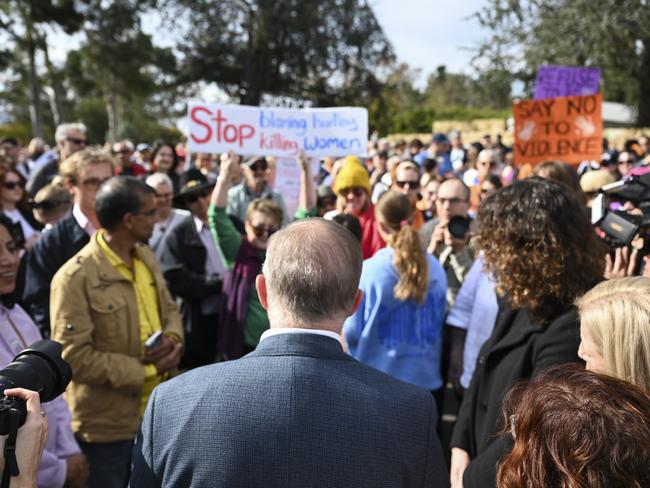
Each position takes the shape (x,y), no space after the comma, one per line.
(198,223)
(293,330)
(82,220)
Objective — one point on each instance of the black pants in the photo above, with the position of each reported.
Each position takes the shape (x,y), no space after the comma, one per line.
(110,463)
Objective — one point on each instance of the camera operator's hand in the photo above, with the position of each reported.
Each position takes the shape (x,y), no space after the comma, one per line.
(437,239)
(166,357)
(31,439)
(78,471)
(624,264)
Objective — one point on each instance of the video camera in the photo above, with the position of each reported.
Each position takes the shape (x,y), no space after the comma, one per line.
(621,227)
(39,368)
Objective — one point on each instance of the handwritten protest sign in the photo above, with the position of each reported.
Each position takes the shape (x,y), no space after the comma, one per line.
(282,132)
(568,129)
(566,81)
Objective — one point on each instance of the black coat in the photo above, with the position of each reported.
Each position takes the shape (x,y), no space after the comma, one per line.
(519,348)
(51,251)
(182,258)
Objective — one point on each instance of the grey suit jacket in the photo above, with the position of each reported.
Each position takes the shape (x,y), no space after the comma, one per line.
(296,412)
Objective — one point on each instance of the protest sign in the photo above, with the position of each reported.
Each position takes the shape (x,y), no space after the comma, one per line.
(568,129)
(566,81)
(287,181)
(281,132)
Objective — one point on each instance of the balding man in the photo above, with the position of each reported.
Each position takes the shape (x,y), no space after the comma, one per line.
(452,200)
(297,411)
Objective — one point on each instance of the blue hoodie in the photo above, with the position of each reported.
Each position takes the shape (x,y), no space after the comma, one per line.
(400,338)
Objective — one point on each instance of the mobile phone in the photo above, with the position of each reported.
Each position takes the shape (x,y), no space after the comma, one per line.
(153,340)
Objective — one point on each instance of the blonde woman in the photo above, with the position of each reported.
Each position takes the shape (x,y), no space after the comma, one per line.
(615,329)
(398,326)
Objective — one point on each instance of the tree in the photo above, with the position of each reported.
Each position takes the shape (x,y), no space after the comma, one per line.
(326,51)
(611,34)
(22,22)
(118,62)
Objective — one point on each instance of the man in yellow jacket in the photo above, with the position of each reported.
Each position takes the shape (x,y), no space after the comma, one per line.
(108,305)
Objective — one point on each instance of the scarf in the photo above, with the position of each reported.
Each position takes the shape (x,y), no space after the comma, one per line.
(236,288)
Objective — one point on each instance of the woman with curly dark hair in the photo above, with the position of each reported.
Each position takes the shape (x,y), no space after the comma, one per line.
(543,253)
(575,428)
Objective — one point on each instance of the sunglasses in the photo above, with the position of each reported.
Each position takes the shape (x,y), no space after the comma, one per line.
(12,185)
(194,197)
(121,151)
(148,213)
(259,167)
(357,192)
(260,230)
(413,185)
(78,142)
(47,205)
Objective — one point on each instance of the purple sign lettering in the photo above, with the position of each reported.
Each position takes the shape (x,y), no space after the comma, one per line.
(566,81)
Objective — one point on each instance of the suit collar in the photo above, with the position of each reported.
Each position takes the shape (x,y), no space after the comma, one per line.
(310,345)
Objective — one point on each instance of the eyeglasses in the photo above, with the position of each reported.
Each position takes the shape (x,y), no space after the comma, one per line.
(164,196)
(260,230)
(195,196)
(12,185)
(94,183)
(357,192)
(413,185)
(450,201)
(78,142)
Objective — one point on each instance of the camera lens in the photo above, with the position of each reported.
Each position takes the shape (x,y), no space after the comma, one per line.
(458,226)
(38,368)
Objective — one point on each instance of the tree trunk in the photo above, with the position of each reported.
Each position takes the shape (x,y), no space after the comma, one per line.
(58,94)
(35,110)
(643,115)
(112,113)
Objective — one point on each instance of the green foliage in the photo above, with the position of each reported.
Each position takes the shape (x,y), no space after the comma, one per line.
(327,51)
(611,34)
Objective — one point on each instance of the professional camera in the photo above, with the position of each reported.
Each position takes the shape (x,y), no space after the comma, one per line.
(459,226)
(39,368)
(621,227)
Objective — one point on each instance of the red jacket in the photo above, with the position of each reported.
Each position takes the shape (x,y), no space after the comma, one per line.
(371,241)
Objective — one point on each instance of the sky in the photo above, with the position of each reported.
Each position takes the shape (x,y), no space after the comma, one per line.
(424,33)
(427,34)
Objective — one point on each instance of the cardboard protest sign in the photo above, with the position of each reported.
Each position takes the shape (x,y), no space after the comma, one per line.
(568,129)
(287,181)
(566,81)
(281,132)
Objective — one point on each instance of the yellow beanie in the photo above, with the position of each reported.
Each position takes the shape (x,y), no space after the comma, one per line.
(352,175)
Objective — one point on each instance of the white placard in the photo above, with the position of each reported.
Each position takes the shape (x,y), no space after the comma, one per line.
(281,132)
(287,181)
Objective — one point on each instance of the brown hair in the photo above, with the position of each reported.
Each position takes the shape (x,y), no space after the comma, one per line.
(395,211)
(266,206)
(563,173)
(71,168)
(576,429)
(539,245)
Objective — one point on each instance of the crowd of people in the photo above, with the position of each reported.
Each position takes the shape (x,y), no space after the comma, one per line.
(480,282)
